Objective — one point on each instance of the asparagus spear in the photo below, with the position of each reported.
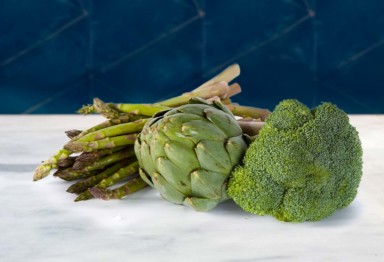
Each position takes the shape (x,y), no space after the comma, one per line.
(86,158)
(110,159)
(111,180)
(43,169)
(66,162)
(73,133)
(247,111)
(127,118)
(70,174)
(121,129)
(130,187)
(217,86)
(105,143)
(83,185)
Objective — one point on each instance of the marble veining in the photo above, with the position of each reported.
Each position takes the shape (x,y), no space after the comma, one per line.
(40,222)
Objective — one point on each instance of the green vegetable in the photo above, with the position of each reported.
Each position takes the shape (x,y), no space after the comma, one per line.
(102,156)
(187,153)
(304,165)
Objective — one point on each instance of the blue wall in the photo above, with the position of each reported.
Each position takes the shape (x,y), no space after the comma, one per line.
(55,55)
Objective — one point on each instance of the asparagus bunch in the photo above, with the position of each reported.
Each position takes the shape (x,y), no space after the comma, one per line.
(102,156)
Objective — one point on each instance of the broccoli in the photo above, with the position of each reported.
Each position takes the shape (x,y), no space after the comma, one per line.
(304,165)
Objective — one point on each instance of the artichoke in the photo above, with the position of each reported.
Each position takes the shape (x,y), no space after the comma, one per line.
(187,153)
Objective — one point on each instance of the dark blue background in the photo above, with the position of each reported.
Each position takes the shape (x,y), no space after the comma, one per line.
(55,55)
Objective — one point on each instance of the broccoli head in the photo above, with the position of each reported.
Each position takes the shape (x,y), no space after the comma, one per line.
(304,165)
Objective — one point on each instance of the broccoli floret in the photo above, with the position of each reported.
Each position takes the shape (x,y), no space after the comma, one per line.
(304,165)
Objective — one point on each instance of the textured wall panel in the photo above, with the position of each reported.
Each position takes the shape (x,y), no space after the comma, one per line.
(55,55)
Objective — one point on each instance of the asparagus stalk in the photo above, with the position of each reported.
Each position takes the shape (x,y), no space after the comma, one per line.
(66,162)
(217,86)
(73,133)
(227,75)
(250,127)
(111,180)
(108,123)
(105,110)
(130,187)
(45,168)
(121,129)
(220,89)
(141,109)
(109,159)
(105,143)
(83,185)
(86,158)
(248,112)
(69,174)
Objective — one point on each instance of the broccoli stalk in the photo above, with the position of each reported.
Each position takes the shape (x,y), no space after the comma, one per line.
(303,165)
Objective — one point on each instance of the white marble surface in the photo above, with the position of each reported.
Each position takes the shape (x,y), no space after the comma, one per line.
(39,221)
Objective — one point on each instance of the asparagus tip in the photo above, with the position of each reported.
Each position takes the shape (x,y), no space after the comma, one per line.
(41,172)
(72,189)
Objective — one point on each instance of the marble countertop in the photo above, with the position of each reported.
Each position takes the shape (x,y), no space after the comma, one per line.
(40,222)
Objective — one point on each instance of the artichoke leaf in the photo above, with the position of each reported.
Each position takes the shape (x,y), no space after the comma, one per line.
(166,190)
(173,132)
(145,158)
(201,204)
(225,122)
(178,119)
(222,107)
(236,148)
(202,129)
(145,177)
(181,154)
(207,184)
(177,177)
(156,145)
(194,109)
(213,156)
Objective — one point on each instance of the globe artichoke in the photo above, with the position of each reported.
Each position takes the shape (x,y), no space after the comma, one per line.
(187,153)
